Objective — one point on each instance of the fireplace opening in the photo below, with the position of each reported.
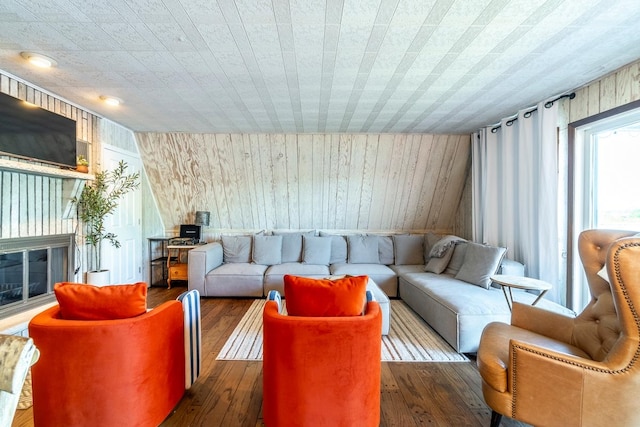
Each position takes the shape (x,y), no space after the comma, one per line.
(29,267)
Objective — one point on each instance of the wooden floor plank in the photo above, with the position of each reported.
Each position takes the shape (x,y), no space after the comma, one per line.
(229,393)
(393,407)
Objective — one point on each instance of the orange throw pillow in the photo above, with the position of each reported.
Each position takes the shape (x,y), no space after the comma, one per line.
(325,297)
(79,301)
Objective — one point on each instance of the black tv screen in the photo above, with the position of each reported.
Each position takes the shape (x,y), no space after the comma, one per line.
(33,133)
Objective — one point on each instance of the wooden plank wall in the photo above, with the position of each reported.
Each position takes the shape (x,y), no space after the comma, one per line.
(32,205)
(613,90)
(364,182)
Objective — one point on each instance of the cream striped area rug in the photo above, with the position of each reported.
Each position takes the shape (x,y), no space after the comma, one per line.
(410,339)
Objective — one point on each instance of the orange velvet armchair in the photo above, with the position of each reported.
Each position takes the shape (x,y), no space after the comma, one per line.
(124,372)
(321,371)
(546,369)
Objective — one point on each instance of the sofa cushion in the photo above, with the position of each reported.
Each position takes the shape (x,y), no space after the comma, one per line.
(316,250)
(409,249)
(457,259)
(325,297)
(292,244)
(267,250)
(298,269)
(480,262)
(79,301)
(338,247)
(274,276)
(236,248)
(430,239)
(385,250)
(444,244)
(409,268)
(363,249)
(381,274)
(438,265)
(239,269)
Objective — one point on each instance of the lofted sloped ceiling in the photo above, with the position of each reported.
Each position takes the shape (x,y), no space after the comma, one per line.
(309,66)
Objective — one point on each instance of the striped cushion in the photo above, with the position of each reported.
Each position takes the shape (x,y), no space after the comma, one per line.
(192,335)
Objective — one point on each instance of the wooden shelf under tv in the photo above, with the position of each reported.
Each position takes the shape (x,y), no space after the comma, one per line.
(44,170)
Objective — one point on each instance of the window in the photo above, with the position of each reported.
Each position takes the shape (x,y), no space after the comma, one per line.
(604,194)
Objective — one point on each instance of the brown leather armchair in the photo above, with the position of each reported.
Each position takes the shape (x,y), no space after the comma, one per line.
(547,369)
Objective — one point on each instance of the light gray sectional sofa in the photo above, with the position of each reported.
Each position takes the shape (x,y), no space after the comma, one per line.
(445,279)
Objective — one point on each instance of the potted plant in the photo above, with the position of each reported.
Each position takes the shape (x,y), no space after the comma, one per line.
(99,199)
(82,165)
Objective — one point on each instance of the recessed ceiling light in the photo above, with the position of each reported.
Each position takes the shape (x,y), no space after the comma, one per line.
(39,60)
(111,100)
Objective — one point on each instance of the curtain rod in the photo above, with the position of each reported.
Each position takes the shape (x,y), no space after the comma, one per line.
(527,114)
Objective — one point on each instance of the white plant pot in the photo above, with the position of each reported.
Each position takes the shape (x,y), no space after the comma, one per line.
(99,278)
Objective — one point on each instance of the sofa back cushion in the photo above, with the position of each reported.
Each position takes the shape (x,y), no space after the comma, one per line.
(316,250)
(325,297)
(430,239)
(267,250)
(363,249)
(409,249)
(236,248)
(338,248)
(79,301)
(292,244)
(385,250)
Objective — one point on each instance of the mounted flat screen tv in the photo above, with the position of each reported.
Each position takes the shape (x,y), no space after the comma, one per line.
(33,133)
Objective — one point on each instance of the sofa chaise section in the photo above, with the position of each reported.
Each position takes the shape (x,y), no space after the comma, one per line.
(458,310)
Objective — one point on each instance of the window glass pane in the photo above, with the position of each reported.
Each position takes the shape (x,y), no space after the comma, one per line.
(11,273)
(617,200)
(37,272)
(59,265)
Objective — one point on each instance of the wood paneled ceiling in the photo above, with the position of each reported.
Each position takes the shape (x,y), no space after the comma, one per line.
(298,66)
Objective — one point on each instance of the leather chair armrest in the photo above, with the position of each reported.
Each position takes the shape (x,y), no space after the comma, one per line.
(543,322)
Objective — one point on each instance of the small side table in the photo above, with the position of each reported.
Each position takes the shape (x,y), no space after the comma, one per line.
(519,282)
(179,270)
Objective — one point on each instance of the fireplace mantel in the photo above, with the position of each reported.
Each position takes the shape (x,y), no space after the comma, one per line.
(38,169)
(72,184)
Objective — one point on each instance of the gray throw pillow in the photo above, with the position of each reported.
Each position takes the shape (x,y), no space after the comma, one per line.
(438,265)
(316,250)
(385,250)
(409,249)
(292,244)
(430,239)
(267,250)
(363,249)
(480,262)
(455,264)
(236,248)
(338,248)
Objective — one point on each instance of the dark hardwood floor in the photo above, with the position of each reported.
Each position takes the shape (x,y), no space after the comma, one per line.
(229,393)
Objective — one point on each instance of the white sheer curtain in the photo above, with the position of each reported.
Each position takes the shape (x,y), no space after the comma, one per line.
(515,193)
